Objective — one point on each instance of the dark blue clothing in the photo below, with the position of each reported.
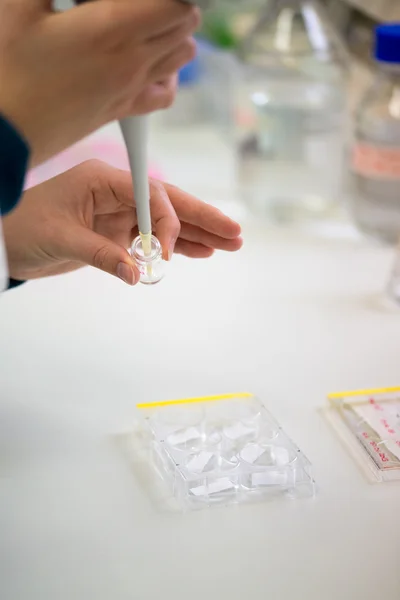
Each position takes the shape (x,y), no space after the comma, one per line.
(14,157)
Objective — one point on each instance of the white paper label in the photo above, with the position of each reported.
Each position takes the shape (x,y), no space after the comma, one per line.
(214,487)
(269,478)
(198,462)
(251,453)
(181,437)
(237,430)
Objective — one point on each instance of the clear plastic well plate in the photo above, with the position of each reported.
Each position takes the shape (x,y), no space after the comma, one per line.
(368,421)
(223,449)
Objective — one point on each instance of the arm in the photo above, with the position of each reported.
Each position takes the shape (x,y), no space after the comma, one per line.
(86,216)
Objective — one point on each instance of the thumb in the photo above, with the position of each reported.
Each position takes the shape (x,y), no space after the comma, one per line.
(98,251)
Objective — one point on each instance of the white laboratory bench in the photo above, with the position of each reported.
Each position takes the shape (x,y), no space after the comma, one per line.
(291,317)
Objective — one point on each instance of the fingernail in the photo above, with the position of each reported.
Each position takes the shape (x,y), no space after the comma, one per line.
(126,273)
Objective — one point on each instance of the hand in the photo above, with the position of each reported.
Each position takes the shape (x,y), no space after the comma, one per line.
(64,75)
(86,217)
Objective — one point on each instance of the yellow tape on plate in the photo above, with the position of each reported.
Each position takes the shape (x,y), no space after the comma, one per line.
(194,400)
(388,390)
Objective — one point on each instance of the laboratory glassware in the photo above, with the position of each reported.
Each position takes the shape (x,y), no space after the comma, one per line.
(291,113)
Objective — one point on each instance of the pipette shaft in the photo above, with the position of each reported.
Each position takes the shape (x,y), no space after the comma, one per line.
(135,133)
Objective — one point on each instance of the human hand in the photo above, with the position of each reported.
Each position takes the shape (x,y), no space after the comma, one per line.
(64,75)
(86,217)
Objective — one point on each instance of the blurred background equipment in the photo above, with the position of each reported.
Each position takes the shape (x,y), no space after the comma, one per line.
(375,161)
(291,112)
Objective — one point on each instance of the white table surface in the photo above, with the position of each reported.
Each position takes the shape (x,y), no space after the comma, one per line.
(291,317)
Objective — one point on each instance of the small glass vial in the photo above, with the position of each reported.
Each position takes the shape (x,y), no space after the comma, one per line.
(152,266)
(375,164)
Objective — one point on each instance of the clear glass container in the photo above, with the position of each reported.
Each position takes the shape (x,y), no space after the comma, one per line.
(375,161)
(152,266)
(291,112)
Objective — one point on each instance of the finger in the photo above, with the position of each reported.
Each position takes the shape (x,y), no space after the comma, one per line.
(147,19)
(207,217)
(174,61)
(87,247)
(192,250)
(192,233)
(157,96)
(165,221)
(156,17)
(176,32)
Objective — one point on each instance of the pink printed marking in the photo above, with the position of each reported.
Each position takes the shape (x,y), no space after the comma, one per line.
(380,453)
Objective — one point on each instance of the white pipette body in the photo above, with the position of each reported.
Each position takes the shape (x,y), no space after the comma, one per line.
(135,133)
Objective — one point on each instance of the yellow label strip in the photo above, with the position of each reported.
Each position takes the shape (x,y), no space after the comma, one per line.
(194,400)
(353,393)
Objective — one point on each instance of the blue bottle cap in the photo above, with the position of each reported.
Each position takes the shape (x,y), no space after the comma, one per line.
(387,43)
(190,73)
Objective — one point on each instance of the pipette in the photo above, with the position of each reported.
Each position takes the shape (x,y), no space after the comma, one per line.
(135,133)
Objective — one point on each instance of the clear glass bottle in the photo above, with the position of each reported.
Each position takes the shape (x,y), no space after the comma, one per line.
(151,266)
(375,160)
(291,113)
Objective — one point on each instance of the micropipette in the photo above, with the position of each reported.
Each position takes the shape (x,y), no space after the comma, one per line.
(135,133)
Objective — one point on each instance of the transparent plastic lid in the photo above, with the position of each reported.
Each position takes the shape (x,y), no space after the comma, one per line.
(221,449)
(368,422)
